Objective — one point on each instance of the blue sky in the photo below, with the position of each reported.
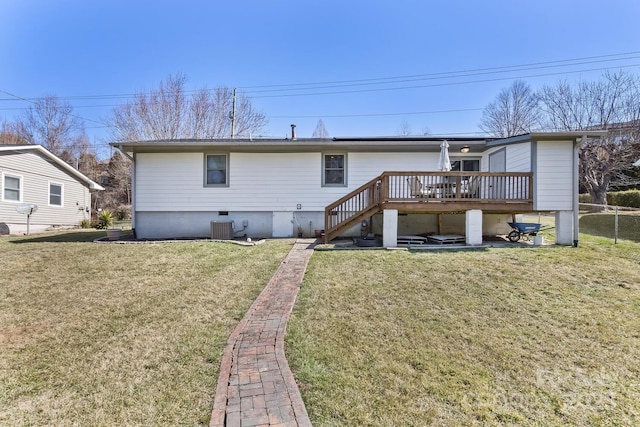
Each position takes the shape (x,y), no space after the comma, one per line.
(75,48)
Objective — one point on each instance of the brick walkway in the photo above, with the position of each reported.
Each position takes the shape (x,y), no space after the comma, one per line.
(255,386)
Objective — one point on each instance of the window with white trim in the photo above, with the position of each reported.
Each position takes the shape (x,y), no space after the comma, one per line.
(55,194)
(11,188)
(216,170)
(334,170)
(465,165)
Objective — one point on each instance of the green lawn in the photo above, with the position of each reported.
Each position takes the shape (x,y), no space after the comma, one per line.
(97,334)
(546,336)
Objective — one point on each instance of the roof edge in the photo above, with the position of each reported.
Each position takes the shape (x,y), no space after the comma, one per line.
(64,165)
(577,136)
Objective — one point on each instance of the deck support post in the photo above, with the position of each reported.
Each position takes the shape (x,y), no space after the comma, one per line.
(564,228)
(474,227)
(390,228)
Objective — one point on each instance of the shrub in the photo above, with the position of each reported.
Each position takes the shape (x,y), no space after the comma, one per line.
(105,220)
(85,223)
(123,212)
(628,198)
(584,198)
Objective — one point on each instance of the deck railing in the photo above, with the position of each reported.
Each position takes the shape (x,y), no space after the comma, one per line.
(411,190)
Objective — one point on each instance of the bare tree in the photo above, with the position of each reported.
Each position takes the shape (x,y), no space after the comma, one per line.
(171,112)
(115,175)
(514,111)
(9,136)
(320,130)
(611,103)
(50,123)
(404,129)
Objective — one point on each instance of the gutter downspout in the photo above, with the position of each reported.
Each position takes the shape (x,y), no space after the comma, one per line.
(133,196)
(576,189)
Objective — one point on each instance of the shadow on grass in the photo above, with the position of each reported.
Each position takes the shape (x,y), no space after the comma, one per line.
(62,237)
(603,225)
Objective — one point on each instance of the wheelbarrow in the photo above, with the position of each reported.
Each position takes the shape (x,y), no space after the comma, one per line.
(522,230)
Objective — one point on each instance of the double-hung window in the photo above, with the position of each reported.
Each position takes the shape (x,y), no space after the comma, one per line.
(11,188)
(334,170)
(55,194)
(216,170)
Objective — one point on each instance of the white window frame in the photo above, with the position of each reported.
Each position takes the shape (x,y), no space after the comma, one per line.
(20,188)
(324,169)
(61,185)
(226,183)
(464,159)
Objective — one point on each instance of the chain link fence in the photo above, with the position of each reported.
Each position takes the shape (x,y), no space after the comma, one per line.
(613,222)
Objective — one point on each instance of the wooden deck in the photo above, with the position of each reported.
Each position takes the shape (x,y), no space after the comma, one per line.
(431,192)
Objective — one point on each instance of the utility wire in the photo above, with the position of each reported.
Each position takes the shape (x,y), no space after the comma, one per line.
(71,114)
(32,100)
(439,84)
(410,113)
(403,79)
(445,74)
(437,76)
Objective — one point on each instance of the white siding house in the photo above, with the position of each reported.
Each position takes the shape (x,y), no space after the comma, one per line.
(280,188)
(29,174)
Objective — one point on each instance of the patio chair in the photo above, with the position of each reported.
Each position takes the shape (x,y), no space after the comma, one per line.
(416,189)
(470,190)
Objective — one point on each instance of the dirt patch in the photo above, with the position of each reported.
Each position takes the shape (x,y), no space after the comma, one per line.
(18,336)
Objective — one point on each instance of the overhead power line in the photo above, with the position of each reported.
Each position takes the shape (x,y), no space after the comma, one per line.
(406,113)
(449,73)
(441,84)
(404,79)
(34,102)
(436,76)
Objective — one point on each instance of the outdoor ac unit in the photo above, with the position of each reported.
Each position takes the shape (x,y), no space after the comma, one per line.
(221,230)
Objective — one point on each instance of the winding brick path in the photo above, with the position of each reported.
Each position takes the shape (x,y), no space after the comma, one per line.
(256,386)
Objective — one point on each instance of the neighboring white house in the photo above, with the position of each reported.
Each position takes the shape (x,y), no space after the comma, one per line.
(284,188)
(29,174)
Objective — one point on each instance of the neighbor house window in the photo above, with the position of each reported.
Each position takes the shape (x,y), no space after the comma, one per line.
(11,188)
(55,194)
(216,170)
(334,170)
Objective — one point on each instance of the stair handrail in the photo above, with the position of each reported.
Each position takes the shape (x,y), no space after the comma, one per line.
(372,187)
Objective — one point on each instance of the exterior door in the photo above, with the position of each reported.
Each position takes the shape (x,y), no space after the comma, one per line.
(498,163)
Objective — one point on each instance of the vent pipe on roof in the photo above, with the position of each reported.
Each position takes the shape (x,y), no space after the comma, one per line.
(293,131)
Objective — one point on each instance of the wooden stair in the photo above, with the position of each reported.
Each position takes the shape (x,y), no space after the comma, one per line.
(349,210)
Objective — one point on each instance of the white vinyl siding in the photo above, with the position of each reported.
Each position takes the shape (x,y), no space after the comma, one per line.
(11,188)
(279,182)
(36,173)
(519,157)
(55,193)
(258,181)
(554,176)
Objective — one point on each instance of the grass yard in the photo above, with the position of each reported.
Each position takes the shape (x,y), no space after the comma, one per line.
(94,334)
(547,336)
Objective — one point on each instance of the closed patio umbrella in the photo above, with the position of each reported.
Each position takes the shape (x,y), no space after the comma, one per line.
(444,164)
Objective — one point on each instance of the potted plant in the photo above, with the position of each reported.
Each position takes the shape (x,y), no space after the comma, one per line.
(105,222)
